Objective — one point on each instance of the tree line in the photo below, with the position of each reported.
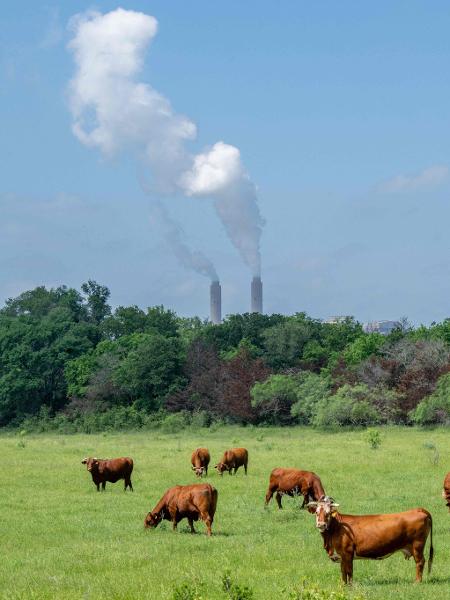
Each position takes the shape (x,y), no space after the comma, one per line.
(67,358)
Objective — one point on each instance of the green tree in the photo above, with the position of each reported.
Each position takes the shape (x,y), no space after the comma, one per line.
(311,390)
(363,347)
(274,398)
(39,334)
(434,409)
(151,370)
(349,406)
(126,320)
(97,300)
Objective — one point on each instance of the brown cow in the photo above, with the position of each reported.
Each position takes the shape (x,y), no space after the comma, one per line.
(185,502)
(233,459)
(346,537)
(109,470)
(293,482)
(200,460)
(446,490)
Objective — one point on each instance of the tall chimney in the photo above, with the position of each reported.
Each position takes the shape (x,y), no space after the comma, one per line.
(215,295)
(256,295)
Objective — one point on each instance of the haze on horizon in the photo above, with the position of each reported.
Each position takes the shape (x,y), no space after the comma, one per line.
(340,115)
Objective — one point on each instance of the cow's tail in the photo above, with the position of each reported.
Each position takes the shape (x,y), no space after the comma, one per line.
(431,554)
(214,495)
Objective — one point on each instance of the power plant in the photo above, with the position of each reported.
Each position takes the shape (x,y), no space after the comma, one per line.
(215,296)
(256,302)
(215,299)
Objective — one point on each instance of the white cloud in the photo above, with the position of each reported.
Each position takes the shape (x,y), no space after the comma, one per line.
(430,177)
(213,170)
(114,112)
(111,110)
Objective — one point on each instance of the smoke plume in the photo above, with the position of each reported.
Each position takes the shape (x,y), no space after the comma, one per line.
(175,238)
(115,112)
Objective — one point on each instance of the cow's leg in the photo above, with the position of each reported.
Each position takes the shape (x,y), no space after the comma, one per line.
(245,468)
(98,487)
(270,493)
(417,550)
(128,484)
(278,499)
(208,522)
(103,485)
(347,568)
(191,524)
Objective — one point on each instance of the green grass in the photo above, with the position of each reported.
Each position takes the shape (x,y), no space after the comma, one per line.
(62,539)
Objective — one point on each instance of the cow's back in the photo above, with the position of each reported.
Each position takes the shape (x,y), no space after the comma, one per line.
(380,535)
(239,455)
(117,468)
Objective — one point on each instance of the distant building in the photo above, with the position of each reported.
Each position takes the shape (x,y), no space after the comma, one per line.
(337,319)
(383,327)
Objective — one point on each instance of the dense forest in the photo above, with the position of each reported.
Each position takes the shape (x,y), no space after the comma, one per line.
(68,362)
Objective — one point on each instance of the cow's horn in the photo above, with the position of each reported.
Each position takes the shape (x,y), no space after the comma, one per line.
(334,504)
(312,504)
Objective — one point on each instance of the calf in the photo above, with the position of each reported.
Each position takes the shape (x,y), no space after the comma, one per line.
(446,490)
(233,459)
(190,502)
(200,460)
(348,537)
(292,482)
(109,470)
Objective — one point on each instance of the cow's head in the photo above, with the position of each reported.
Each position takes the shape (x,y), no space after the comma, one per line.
(152,520)
(325,510)
(221,468)
(91,464)
(199,471)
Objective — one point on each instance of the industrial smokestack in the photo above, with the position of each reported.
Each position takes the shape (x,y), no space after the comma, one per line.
(256,296)
(215,294)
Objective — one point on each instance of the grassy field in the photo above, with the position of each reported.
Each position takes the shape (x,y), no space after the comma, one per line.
(62,539)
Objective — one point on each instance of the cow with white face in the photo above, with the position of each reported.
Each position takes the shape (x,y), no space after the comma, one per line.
(348,537)
(323,509)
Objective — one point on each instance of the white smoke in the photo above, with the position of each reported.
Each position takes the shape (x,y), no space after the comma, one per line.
(219,173)
(114,112)
(111,110)
(176,239)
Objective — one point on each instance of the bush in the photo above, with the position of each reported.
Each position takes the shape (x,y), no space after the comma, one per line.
(286,399)
(435,409)
(186,591)
(348,407)
(200,418)
(308,591)
(235,591)
(175,422)
(374,438)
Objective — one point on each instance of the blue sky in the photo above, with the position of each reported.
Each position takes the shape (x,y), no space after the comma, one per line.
(341,115)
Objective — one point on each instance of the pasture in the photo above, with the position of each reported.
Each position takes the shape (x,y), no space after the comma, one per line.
(62,539)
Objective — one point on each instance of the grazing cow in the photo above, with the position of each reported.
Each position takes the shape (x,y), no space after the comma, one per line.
(348,537)
(446,490)
(293,482)
(190,502)
(109,470)
(233,459)
(200,460)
